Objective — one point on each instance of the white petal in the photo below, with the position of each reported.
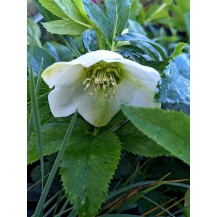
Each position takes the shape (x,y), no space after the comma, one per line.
(138,86)
(93,57)
(132,94)
(61,73)
(97,112)
(68,79)
(64,101)
(140,72)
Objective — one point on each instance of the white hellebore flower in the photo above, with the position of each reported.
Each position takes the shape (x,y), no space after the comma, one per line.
(97,83)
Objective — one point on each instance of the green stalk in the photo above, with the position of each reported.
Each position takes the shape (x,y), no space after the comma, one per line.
(45,192)
(31,122)
(64,205)
(39,181)
(63,212)
(54,206)
(51,199)
(35,111)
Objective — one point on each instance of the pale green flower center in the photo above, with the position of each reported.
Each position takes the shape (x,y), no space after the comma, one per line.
(103,79)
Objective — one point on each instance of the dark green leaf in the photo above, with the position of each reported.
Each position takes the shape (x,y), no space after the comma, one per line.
(98,17)
(117,12)
(173,87)
(154,49)
(52,136)
(90,40)
(134,141)
(38,54)
(183,64)
(58,51)
(169,129)
(135,27)
(88,165)
(64,27)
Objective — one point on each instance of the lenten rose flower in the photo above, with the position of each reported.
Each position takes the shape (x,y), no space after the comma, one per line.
(97,83)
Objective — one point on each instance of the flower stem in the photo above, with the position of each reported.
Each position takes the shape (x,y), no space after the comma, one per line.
(45,192)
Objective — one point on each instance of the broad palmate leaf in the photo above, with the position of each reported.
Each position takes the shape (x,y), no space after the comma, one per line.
(88,165)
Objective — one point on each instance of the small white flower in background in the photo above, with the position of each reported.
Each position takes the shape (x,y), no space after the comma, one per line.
(97,83)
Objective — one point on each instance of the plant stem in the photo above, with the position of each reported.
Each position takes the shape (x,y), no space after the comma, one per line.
(45,192)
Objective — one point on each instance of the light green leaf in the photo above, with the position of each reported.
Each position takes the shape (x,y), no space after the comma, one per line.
(33,33)
(90,40)
(54,7)
(135,9)
(87,167)
(63,9)
(80,7)
(132,140)
(64,27)
(169,129)
(157,12)
(117,12)
(178,49)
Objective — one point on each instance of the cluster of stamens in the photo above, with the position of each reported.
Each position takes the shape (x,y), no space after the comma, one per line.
(104,79)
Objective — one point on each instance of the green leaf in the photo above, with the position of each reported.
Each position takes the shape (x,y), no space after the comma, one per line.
(59,51)
(53,7)
(135,27)
(169,129)
(157,12)
(64,27)
(98,17)
(33,33)
(141,41)
(138,55)
(52,136)
(178,49)
(38,54)
(174,87)
(183,64)
(135,9)
(132,140)
(117,12)
(87,167)
(80,7)
(63,9)
(90,40)
(187,203)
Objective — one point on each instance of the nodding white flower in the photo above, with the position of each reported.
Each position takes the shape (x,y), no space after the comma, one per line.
(97,83)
